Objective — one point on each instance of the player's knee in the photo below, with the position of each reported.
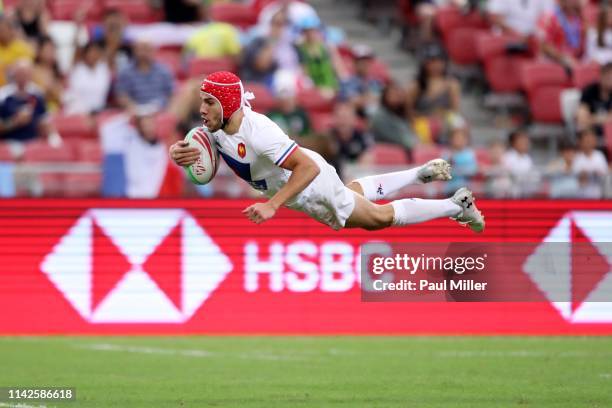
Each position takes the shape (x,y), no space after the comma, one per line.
(380,218)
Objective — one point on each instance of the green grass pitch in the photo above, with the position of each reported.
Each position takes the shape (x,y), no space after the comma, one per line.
(314,371)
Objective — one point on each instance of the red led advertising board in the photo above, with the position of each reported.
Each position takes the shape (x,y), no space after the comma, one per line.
(200,267)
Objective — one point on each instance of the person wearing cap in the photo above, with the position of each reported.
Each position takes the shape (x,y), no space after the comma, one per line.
(260,153)
(361,89)
(320,61)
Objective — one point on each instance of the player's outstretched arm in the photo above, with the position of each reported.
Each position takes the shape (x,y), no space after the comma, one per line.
(303,171)
(182,154)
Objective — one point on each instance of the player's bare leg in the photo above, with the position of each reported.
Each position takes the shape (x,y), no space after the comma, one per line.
(381,186)
(372,216)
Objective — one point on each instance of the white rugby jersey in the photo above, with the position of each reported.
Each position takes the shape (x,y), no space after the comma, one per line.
(256,151)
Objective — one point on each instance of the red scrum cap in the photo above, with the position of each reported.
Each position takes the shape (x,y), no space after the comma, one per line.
(227,89)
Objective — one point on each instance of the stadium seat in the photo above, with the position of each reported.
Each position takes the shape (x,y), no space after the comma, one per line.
(585,74)
(502,74)
(5,153)
(545,104)
(448,19)
(66,10)
(137,11)
(321,122)
(535,74)
(89,151)
(240,15)
(313,101)
(51,184)
(425,153)
(489,45)
(82,185)
(379,70)
(41,152)
(171,59)
(461,45)
(264,100)
(200,67)
(75,126)
(389,154)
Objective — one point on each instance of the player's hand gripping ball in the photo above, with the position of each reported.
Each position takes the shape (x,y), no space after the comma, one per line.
(197,154)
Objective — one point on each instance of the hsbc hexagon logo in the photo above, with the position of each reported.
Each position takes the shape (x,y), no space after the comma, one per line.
(553,267)
(136,266)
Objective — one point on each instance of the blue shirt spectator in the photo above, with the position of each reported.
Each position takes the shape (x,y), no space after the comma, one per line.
(145,81)
(22,107)
(463,159)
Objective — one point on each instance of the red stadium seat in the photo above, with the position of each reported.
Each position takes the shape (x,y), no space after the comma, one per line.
(379,70)
(389,154)
(75,126)
(52,184)
(425,153)
(502,73)
(313,101)
(89,151)
(5,153)
(66,10)
(448,19)
(240,15)
(321,123)
(545,104)
(41,152)
(172,59)
(461,45)
(82,185)
(585,74)
(535,74)
(199,67)
(264,100)
(490,45)
(137,11)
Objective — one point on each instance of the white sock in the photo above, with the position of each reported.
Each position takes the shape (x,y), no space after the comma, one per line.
(382,185)
(415,210)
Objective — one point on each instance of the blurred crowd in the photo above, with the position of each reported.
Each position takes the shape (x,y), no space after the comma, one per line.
(92,92)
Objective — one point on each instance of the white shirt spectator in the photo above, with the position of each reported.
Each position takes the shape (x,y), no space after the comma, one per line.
(88,88)
(525,177)
(591,171)
(520,15)
(601,55)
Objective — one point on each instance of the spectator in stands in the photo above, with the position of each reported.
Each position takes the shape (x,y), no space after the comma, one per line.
(89,81)
(434,96)
(518,162)
(184,11)
(33,19)
(113,38)
(269,51)
(590,165)
(11,47)
(426,11)
(595,107)
(214,40)
(562,33)
(498,182)
(145,81)
(563,180)
(320,62)
(518,17)
(289,116)
(295,11)
(599,39)
(47,74)
(389,124)
(23,111)
(136,160)
(361,89)
(259,63)
(349,142)
(461,157)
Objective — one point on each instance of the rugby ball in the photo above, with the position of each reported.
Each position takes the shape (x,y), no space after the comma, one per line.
(205,168)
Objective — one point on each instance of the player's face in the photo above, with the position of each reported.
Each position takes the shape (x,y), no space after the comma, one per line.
(210,111)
